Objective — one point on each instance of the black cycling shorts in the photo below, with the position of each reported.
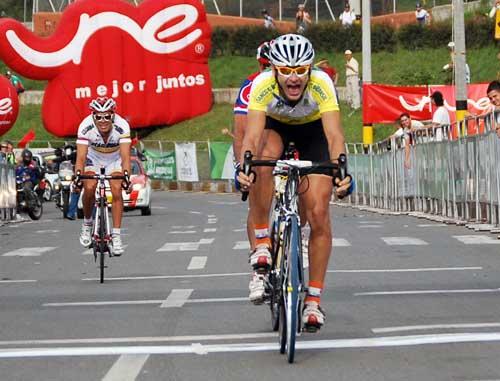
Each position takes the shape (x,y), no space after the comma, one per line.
(309,139)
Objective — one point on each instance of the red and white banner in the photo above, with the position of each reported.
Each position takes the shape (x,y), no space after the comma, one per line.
(384,104)
(153,59)
(9,105)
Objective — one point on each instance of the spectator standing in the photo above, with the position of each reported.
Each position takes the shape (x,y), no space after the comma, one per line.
(450,65)
(441,117)
(268,20)
(494,9)
(347,17)
(352,80)
(324,65)
(493,93)
(16,81)
(421,15)
(11,156)
(3,152)
(302,19)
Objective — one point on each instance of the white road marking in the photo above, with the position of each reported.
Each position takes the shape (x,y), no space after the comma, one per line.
(370,222)
(241,245)
(126,368)
(183,227)
(154,277)
(370,226)
(197,263)
(142,339)
(239,230)
(185,246)
(18,281)
(340,242)
(158,207)
(211,216)
(194,212)
(28,252)
(433,326)
(477,239)
(403,241)
(370,342)
(423,269)
(177,298)
(182,232)
(103,303)
(212,221)
(430,225)
(47,231)
(424,292)
(224,202)
(218,300)
(209,230)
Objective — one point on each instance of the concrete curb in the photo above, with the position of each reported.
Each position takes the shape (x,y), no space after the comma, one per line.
(208,186)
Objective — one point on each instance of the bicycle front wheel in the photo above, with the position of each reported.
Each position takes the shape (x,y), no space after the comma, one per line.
(292,288)
(102,238)
(276,274)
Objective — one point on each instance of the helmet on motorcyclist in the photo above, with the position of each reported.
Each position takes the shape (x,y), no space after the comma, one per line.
(27,156)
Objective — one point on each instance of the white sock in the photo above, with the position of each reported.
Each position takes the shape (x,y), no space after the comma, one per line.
(116,231)
(88,221)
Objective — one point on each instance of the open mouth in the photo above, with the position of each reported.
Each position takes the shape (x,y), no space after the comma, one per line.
(293,89)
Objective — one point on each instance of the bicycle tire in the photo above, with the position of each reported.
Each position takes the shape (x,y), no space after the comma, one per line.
(275,275)
(293,285)
(283,289)
(65,197)
(102,237)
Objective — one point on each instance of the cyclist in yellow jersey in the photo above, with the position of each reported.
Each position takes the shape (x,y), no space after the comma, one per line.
(294,102)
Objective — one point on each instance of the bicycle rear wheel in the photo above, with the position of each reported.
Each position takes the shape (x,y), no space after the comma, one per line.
(292,288)
(276,274)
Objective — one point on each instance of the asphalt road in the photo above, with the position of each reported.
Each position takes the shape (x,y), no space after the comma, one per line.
(406,299)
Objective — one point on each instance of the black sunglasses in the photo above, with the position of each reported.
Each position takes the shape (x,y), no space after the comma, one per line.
(103,117)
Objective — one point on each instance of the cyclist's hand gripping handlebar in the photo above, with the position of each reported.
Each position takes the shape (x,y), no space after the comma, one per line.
(247,161)
(126,182)
(342,174)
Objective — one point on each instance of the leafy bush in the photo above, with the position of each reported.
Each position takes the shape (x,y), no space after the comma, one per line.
(383,38)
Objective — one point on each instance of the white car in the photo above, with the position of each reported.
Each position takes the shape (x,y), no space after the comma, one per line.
(139,197)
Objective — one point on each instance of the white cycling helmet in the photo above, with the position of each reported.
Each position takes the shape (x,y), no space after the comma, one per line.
(291,50)
(103,104)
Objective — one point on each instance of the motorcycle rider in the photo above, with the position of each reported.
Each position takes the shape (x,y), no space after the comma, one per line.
(27,170)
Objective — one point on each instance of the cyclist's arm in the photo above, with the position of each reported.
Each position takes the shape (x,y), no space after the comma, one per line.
(81,157)
(125,155)
(240,121)
(256,121)
(334,133)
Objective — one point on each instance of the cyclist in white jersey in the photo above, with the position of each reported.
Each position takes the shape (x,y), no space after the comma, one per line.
(103,140)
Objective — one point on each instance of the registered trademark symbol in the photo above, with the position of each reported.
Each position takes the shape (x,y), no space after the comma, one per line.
(199,48)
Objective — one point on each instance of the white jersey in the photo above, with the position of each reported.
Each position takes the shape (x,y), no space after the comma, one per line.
(101,152)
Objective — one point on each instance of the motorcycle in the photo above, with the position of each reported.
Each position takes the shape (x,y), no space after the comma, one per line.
(28,200)
(63,185)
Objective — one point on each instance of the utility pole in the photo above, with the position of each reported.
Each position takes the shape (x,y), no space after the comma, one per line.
(459,60)
(367,62)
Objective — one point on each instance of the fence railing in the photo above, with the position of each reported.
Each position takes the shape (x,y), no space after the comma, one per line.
(7,192)
(433,171)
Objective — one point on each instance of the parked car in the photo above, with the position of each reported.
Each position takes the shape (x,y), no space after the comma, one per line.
(139,197)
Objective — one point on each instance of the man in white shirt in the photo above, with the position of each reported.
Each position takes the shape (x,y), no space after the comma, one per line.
(268,20)
(441,117)
(493,93)
(423,17)
(352,80)
(347,17)
(494,9)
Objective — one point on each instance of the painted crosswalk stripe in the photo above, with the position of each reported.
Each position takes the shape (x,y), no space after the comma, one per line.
(340,242)
(185,246)
(241,245)
(182,232)
(183,227)
(47,231)
(239,230)
(212,221)
(126,368)
(5,281)
(197,263)
(209,230)
(477,239)
(177,298)
(403,241)
(429,292)
(211,216)
(28,252)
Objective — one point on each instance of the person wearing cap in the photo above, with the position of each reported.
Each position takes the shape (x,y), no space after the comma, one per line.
(16,81)
(422,16)
(347,17)
(450,65)
(324,65)
(352,80)
(268,20)
(302,19)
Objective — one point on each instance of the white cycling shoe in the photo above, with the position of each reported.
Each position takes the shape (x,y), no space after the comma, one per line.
(260,258)
(86,235)
(313,317)
(257,287)
(117,246)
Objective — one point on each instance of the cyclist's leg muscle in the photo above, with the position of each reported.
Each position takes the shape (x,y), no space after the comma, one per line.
(315,202)
(88,197)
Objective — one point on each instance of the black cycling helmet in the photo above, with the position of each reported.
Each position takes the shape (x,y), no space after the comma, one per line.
(27,156)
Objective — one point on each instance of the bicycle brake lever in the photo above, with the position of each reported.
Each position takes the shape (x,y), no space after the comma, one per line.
(247,159)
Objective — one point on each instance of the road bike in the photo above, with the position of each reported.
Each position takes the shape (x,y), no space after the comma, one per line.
(101,231)
(286,283)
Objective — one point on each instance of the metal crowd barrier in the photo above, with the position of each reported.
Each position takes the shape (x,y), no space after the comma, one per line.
(7,192)
(451,171)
